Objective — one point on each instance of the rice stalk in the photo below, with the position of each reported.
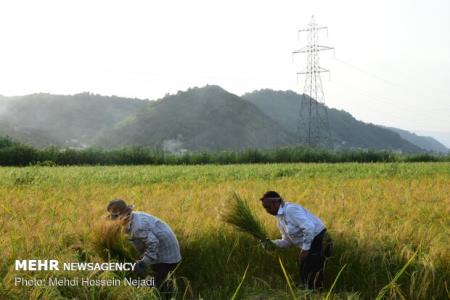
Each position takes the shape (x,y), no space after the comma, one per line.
(240,284)
(334,283)
(391,284)
(111,243)
(242,218)
(288,280)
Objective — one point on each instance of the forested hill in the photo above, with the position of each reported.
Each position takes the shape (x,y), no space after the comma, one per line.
(424,142)
(347,132)
(68,121)
(207,118)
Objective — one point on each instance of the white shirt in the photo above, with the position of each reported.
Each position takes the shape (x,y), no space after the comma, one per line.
(297,226)
(153,239)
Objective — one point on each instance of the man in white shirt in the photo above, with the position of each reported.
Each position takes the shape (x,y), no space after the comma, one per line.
(300,228)
(152,238)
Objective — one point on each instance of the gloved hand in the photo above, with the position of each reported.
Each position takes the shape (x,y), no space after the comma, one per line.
(140,268)
(267,244)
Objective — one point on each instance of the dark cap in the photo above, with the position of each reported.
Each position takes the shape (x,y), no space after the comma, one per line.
(270,194)
(119,205)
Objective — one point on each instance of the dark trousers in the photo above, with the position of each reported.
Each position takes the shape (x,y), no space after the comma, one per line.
(311,267)
(161,271)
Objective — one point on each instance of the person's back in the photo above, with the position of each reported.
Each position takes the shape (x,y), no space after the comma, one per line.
(143,227)
(292,220)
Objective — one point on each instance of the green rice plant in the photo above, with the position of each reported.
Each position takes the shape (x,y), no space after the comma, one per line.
(110,242)
(240,284)
(377,220)
(242,218)
(288,280)
(45,292)
(393,282)
(334,282)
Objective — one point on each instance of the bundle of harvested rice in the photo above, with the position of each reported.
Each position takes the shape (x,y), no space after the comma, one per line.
(111,243)
(241,217)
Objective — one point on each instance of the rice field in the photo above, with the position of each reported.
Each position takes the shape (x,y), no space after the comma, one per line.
(390,224)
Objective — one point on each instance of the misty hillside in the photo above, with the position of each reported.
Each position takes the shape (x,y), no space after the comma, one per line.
(424,142)
(207,118)
(347,132)
(44,119)
(31,136)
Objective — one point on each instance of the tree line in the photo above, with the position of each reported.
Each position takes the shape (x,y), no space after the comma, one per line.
(13,153)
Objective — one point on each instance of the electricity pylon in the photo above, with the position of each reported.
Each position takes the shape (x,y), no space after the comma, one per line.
(313,128)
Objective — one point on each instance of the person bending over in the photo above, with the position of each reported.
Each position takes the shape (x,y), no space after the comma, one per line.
(153,239)
(301,228)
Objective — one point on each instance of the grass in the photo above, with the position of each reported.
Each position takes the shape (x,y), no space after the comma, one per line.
(288,279)
(334,283)
(393,282)
(380,216)
(240,284)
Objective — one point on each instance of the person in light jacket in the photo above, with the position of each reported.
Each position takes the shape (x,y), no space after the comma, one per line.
(152,238)
(300,228)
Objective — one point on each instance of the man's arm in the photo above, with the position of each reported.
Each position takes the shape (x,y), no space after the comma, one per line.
(284,242)
(151,248)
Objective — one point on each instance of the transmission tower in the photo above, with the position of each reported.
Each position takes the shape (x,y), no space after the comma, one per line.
(313,127)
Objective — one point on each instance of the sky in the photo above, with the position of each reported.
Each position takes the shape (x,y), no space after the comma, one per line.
(391,63)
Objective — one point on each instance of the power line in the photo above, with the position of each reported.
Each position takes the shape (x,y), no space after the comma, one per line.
(388,100)
(380,78)
(386,110)
(391,102)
